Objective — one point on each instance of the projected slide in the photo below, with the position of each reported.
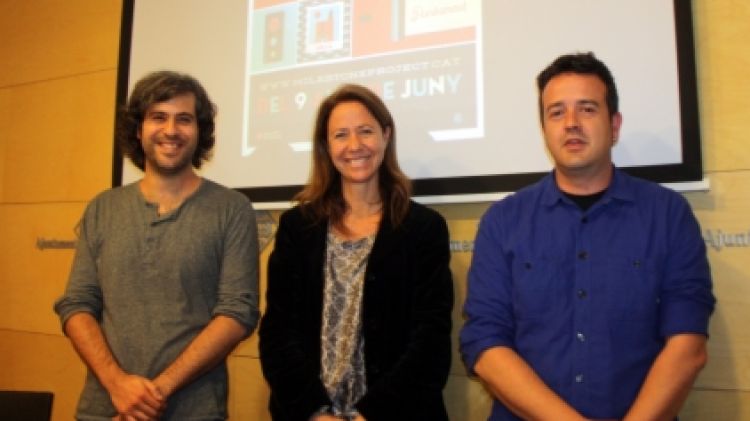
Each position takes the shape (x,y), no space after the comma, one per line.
(416,54)
(458,76)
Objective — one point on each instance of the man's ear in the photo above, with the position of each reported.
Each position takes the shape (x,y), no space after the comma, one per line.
(616,124)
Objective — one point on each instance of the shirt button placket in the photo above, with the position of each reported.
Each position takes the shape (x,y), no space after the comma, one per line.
(580,302)
(150,246)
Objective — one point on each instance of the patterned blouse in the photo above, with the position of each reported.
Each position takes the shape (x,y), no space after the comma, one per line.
(342,345)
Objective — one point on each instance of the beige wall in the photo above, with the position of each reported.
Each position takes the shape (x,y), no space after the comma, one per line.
(58,64)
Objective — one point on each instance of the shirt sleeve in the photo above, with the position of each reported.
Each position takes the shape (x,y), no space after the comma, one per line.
(287,363)
(238,283)
(488,308)
(686,299)
(83,292)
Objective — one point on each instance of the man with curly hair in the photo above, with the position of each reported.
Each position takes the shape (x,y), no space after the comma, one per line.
(164,281)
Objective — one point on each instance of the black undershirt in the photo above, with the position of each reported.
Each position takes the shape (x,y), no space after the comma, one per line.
(585,201)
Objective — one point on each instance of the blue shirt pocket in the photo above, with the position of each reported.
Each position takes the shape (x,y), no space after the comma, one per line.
(539,287)
(628,287)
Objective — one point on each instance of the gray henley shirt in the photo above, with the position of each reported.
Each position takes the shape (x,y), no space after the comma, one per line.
(155,281)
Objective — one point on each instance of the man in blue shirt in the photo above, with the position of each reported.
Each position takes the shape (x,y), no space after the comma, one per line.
(589,292)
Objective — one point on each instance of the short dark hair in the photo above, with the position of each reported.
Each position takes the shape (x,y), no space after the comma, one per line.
(162,86)
(322,196)
(580,63)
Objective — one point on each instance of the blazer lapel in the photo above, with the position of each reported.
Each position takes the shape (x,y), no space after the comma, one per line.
(386,239)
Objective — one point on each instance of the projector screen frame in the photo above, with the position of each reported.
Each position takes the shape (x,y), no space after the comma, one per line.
(687,175)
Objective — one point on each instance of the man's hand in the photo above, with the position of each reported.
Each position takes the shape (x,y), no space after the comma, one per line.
(329,417)
(136,398)
(325,417)
(131,395)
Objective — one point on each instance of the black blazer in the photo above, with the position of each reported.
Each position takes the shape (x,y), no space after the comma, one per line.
(406,319)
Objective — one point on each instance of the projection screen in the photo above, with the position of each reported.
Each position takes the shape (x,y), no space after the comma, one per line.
(458,76)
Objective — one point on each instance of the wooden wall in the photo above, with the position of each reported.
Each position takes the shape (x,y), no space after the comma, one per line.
(58,65)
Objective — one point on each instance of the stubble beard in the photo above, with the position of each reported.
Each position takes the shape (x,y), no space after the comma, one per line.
(179,167)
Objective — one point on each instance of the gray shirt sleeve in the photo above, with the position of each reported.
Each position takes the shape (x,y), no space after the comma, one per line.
(83,293)
(238,283)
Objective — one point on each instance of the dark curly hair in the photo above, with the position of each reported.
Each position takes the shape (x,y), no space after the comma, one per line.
(584,64)
(159,87)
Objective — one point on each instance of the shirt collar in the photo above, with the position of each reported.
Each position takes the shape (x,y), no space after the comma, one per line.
(620,188)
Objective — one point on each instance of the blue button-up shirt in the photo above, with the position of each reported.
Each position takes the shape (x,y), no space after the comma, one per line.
(587,298)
